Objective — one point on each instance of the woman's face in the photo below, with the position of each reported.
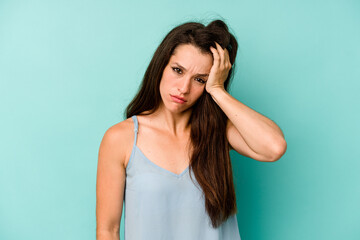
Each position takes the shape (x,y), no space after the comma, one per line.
(184,77)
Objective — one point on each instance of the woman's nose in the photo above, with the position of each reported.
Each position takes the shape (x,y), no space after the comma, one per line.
(185,85)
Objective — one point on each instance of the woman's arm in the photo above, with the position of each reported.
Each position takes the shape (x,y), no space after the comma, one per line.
(249,133)
(110,184)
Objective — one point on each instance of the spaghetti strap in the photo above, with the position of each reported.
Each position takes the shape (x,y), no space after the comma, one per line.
(135,127)
(134,118)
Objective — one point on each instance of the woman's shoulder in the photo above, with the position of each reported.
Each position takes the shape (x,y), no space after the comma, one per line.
(118,139)
(126,127)
(121,130)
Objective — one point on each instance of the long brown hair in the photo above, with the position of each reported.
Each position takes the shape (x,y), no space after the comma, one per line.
(210,160)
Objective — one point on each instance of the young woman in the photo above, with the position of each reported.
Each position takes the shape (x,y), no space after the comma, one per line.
(169,162)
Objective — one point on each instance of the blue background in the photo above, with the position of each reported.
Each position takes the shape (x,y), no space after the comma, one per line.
(68,69)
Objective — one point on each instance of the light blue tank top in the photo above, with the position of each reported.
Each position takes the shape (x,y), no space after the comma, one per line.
(162,205)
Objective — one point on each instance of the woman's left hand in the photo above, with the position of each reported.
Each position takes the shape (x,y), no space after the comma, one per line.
(219,70)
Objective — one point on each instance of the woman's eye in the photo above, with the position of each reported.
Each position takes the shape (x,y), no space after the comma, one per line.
(200,80)
(178,70)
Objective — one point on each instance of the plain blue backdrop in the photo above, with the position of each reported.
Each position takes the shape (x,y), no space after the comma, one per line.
(68,69)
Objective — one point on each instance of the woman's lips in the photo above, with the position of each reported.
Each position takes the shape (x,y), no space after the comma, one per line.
(177,99)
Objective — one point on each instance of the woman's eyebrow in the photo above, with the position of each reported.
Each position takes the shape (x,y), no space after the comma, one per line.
(199,74)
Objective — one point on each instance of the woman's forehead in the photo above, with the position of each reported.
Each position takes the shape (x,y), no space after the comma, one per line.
(189,55)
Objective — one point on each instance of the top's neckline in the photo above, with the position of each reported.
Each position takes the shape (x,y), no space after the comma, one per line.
(161,168)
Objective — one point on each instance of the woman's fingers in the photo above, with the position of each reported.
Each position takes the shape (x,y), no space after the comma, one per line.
(228,63)
(221,53)
(216,56)
(220,68)
(224,60)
